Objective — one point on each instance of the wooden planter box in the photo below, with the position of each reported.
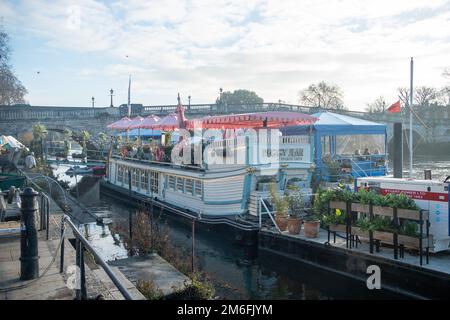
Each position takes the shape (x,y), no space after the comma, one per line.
(413,242)
(387,237)
(358,207)
(356,231)
(383,211)
(338,205)
(337,227)
(411,214)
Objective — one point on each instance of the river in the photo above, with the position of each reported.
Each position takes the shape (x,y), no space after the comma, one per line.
(238,271)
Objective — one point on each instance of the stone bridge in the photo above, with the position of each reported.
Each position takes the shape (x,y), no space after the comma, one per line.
(431,126)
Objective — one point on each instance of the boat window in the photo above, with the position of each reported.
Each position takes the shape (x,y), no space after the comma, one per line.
(180,184)
(172,182)
(125,175)
(189,186)
(135,173)
(120,173)
(373,144)
(154,176)
(144,180)
(198,188)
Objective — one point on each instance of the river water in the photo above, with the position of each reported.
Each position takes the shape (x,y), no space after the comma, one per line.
(239,271)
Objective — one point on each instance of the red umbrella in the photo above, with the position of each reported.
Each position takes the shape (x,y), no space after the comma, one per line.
(269,119)
(135,123)
(168,123)
(149,121)
(122,124)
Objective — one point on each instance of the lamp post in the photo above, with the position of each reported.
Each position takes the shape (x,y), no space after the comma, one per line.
(189,102)
(93,102)
(111,92)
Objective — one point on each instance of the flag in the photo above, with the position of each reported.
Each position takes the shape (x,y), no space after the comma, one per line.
(396,107)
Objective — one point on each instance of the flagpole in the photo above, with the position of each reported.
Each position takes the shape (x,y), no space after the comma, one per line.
(411,121)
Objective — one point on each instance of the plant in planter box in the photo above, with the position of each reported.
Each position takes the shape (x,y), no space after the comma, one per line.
(281,205)
(409,228)
(296,205)
(333,167)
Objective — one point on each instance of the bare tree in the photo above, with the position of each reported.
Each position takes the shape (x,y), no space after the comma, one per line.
(403,95)
(11,89)
(444,96)
(377,106)
(425,96)
(323,95)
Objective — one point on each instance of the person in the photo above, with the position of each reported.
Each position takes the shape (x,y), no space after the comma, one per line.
(30,161)
(366,152)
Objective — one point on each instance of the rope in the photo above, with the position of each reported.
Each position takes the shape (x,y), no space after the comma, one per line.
(43,274)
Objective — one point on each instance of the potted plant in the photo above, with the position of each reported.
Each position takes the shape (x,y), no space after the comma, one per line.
(265,182)
(281,205)
(311,225)
(296,205)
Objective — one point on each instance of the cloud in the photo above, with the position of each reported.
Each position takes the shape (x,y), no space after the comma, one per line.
(272,47)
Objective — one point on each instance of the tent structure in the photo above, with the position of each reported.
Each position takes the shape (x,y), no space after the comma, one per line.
(120,125)
(270,119)
(358,142)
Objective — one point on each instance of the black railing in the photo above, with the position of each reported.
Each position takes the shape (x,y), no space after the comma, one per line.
(81,244)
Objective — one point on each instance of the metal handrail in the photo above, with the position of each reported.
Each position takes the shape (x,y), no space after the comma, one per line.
(270,215)
(82,243)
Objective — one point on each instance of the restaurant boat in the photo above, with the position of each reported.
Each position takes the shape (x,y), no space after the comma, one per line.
(240,155)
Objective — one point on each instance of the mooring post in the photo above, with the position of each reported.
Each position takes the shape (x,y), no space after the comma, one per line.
(193,246)
(61,262)
(130,213)
(29,259)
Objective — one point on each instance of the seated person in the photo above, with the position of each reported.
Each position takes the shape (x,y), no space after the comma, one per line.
(366,152)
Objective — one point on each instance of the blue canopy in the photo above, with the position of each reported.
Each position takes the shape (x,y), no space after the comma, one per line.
(334,123)
(143,133)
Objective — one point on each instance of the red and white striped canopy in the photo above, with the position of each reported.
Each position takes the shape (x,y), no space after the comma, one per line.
(269,119)
(149,121)
(121,124)
(169,122)
(135,123)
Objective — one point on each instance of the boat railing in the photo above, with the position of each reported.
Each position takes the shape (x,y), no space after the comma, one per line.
(159,163)
(82,244)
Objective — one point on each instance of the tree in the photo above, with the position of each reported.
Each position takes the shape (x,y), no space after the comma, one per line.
(323,95)
(444,96)
(39,134)
(103,137)
(85,136)
(379,105)
(67,136)
(403,95)
(446,73)
(241,96)
(425,96)
(11,89)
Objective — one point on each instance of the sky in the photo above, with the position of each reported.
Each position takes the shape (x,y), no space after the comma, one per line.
(66,52)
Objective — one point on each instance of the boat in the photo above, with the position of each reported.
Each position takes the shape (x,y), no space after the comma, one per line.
(230,178)
(78,170)
(8,180)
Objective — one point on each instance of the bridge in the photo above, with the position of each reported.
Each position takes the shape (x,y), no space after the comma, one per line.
(431,124)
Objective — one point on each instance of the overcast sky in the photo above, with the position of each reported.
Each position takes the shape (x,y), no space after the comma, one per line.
(275,48)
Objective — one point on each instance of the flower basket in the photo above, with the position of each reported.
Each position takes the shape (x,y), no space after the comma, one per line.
(383,211)
(358,207)
(410,214)
(357,231)
(337,227)
(413,242)
(387,237)
(338,205)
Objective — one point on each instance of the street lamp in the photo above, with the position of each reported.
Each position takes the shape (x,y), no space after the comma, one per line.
(111,93)
(93,102)
(189,102)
